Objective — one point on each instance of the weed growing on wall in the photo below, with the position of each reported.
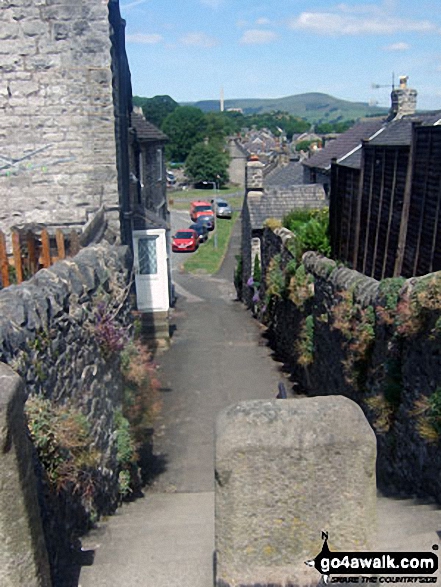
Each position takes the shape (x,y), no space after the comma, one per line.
(275,279)
(383,412)
(428,412)
(305,342)
(62,438)
(110,335)
(419,307)
(357,327)
(389,295)
(126,453)
(300,286)
(141,404)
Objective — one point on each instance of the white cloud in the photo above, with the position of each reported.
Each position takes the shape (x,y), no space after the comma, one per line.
(397,47)
(263,21)
(199,40)
(257,37)
(144,39)
(329,23)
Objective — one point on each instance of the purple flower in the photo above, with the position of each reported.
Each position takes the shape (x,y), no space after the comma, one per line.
(250,282)
(256,297)
(264,309)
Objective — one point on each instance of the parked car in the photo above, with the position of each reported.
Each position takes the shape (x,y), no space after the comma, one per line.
(185,241)
(222,208)
(202,231)
(200,208)
(207,221)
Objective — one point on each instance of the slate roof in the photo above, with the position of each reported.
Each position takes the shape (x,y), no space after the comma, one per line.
(399,131)
(353,160)
(276,203)
(345,143)
(291,174)
(145,130)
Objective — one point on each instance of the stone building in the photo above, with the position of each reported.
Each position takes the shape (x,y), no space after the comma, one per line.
(70,145)
(65,100)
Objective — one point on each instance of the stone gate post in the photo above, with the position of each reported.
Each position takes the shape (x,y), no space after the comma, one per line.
(23,556)
(286,470)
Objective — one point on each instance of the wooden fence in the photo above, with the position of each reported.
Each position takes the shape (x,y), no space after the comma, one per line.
(385,219)
(31,252)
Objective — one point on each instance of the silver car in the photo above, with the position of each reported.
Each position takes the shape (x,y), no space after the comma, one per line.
(222,208)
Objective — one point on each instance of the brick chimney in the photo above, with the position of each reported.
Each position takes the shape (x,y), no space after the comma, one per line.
(403,100)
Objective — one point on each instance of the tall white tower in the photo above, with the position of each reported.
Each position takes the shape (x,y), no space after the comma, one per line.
(222,105)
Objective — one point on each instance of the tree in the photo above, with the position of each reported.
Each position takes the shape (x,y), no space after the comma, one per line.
(156,109)
(185,127)
(206,162)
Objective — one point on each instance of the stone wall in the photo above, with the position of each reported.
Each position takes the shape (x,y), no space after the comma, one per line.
(52,333)
(23,557)
(378,343)
(56,106)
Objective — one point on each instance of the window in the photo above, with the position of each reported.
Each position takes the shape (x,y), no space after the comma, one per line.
(159,163)
(148,262)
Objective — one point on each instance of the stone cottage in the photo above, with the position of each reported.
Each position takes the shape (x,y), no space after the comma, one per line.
(68,140)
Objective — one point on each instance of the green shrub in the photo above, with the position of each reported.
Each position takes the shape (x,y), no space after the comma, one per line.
(310,228)
(62,438)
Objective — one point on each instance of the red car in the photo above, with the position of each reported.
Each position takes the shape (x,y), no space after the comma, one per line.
(185,241)
(200,208)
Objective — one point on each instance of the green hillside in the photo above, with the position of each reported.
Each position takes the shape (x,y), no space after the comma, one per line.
(313,106)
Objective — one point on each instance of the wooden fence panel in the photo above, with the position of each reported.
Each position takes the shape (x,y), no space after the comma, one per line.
(45,249)
(16,252)
(4,263)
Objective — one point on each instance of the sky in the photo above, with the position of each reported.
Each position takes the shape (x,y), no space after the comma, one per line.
(191,49)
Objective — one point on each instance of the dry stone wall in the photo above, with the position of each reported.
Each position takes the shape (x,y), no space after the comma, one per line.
(57,137)
(53,336)
(378,343)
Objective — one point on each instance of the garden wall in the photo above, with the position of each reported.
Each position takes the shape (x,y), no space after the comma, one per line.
(378,343)
(62,331)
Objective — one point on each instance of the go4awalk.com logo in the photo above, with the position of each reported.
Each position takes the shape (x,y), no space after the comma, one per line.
(399,564)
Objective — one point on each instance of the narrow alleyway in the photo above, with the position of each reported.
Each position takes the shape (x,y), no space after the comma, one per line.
(216,359)
(166,539)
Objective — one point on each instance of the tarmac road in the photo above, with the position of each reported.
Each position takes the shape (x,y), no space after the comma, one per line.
(216,359)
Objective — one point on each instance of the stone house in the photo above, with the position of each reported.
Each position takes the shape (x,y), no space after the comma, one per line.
(317,168)
(67,132)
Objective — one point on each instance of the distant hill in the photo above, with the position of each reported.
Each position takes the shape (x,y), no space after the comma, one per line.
(313,106)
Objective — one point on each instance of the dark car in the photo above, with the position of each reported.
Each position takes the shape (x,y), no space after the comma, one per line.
(202,231)
(207,221)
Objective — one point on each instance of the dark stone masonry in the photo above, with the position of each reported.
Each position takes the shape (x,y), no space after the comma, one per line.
(375,342)
(49,334)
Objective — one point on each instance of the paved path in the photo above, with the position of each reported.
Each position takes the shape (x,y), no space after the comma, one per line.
(216,359)
(166,539)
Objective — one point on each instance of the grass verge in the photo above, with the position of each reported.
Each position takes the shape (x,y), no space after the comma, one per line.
(207,259)
(181,199)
